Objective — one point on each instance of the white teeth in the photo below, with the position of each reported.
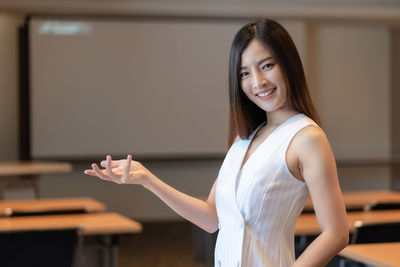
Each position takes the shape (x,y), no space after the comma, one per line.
(267,93)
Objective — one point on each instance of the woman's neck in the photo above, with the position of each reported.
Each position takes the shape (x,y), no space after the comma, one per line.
(277,117)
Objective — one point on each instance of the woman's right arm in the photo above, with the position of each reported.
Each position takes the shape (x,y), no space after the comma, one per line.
(200,212)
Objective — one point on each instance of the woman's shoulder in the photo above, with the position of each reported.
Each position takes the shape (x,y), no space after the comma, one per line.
(310,139)
(310,133)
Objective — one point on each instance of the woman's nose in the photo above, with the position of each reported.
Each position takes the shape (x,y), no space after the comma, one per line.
(259,81)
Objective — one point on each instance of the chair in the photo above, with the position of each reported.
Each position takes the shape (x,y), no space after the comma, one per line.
(41,248)
(204,245)
(382,206)
(375,233)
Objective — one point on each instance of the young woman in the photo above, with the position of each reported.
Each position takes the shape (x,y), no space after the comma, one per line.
(278,155)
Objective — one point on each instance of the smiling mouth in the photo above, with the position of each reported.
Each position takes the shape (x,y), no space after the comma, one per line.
(266,93)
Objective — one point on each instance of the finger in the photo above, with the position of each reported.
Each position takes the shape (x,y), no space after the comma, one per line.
(127,168)
(115,176)
(100,173)
(108,166)
(103,163)
(114,163)
(90,172)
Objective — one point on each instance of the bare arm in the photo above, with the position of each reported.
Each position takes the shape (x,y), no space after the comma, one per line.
(318,169)
(202,213)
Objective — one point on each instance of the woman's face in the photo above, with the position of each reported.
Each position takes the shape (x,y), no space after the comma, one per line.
(262,79)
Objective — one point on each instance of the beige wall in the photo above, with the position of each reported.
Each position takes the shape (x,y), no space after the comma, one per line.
(348,68)
(352,79)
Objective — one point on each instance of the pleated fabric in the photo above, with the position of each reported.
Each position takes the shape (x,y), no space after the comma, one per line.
(258,204)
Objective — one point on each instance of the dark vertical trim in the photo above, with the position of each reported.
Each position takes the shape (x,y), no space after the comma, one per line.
(24,94)
(395,107)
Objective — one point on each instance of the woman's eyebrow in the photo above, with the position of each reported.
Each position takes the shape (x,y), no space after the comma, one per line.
(259,62)
(263,60)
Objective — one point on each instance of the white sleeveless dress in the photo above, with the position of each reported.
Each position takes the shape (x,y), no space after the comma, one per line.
(258,204)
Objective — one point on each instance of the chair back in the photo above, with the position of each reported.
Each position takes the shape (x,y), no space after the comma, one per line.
(376,233)
(38,248)
(382,206)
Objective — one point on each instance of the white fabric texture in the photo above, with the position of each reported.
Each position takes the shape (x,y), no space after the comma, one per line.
(258,204)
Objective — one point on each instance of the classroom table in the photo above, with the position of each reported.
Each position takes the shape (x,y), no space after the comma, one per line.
(106,225)
(27,173)
(307,224)
(359,199)
(50,205)
(89,223)
(376,254)
(33,167)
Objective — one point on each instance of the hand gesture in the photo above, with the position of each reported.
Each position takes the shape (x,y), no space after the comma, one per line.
(120,171)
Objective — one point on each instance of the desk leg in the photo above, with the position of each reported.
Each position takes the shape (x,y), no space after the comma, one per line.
(106,252)
(114,255)
(78,250)
(35,184)
(110,251)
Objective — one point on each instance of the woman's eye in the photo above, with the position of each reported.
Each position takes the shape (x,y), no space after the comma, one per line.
(267,66)
(243,74)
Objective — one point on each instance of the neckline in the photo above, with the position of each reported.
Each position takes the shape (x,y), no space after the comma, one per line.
(250,140)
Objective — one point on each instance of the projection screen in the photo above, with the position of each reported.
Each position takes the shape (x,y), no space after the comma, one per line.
(150,88)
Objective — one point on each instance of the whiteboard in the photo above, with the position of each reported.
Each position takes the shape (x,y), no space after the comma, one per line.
(150,88)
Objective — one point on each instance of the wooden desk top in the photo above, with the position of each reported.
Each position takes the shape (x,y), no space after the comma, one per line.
(49,205)
(33,168)
(357,200)
(379,255)
(307,224)
(90,223)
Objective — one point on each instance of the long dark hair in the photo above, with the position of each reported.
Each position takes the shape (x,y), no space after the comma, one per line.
(245,116)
